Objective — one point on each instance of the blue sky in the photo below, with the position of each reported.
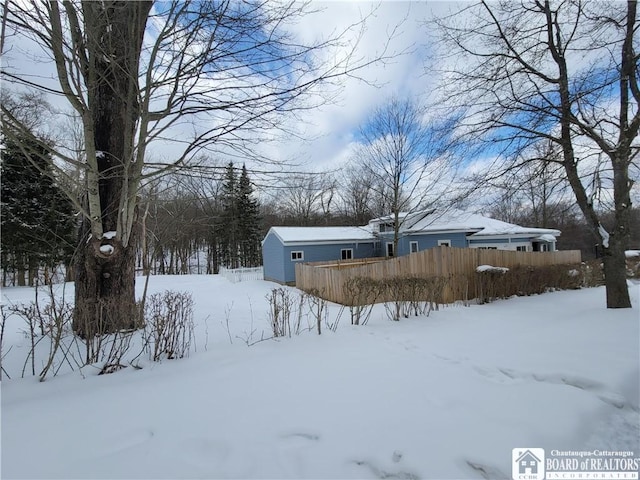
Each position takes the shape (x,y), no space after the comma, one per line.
(332,129)
(327,132)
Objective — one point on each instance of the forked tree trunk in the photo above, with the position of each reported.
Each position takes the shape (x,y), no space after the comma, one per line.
(105,267)
(105,288)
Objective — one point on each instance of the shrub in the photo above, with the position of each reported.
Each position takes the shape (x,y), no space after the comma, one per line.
(169,325)
(497,283)
(281,303)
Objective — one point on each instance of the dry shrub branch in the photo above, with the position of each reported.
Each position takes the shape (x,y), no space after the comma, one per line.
(169,327)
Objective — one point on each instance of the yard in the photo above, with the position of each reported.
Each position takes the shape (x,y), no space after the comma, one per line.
(445,396)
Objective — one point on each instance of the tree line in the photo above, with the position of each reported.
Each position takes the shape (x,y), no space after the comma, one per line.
(199,223)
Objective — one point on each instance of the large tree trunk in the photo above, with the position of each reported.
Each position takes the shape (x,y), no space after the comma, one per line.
(615,262)
(615,275)
(105,267)
(105,288)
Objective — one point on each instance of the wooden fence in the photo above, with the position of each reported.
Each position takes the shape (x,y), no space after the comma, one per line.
(457,264)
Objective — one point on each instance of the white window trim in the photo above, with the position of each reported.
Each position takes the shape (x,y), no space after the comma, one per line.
(393,253)
(346,250)
(444,242)
(411,244)
(301,252)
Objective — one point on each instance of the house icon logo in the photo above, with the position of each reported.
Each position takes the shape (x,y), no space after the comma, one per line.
(527,464)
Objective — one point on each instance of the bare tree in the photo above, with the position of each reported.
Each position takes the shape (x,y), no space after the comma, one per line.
(305,198)
(534,192)
(356,193)
(403,152)
(562,71)
(213,76)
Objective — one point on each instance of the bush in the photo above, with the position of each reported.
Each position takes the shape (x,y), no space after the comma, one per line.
(495,283)
(168,329)
(281,303)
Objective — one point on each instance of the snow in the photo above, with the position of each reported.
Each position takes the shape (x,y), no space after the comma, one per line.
(604,235)
(322,234)
(632,253)
(490,268)
(109,235)
(546,238)
(458,220)
(428,221)
(425,397)
(106,249)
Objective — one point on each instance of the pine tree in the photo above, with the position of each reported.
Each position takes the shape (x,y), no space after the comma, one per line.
(38,224)
(229,225)
(248,222)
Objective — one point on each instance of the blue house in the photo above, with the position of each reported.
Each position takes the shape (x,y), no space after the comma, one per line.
(455,228)
(283,247)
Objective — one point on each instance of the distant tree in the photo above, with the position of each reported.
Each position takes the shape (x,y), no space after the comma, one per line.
(228,230)
(305,198)
(38,220)
(402,152)
(249,230)
(356,193)
(534,192)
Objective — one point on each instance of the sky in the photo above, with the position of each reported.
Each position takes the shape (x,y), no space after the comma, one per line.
(333,128)
(328,131)
(327,135)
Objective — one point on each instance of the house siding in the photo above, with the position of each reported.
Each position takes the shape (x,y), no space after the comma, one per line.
(500,243)
(279,267)
(427,241)
(273,260)
(323,253)
(505,243)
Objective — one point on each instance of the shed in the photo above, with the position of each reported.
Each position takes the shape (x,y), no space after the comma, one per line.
(283,247)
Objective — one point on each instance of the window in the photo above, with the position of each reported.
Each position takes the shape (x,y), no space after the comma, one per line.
(444,243)
(297,255)
(487,248)
(413,247)
(346,253)
(521,248)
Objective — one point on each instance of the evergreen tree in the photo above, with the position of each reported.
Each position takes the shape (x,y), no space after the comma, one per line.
(248,222)
(229,225)
(38,224)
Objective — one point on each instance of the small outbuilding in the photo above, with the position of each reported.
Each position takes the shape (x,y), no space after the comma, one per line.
(283,247)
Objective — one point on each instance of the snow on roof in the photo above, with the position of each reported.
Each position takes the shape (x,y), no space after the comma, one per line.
(323,234)
(546,238)
(457,220)
(428,221)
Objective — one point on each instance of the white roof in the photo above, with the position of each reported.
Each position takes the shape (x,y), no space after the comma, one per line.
(459,221)
(428,221)
(322,234)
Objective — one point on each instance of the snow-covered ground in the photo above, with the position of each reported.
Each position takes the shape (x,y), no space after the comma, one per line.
(446,396)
